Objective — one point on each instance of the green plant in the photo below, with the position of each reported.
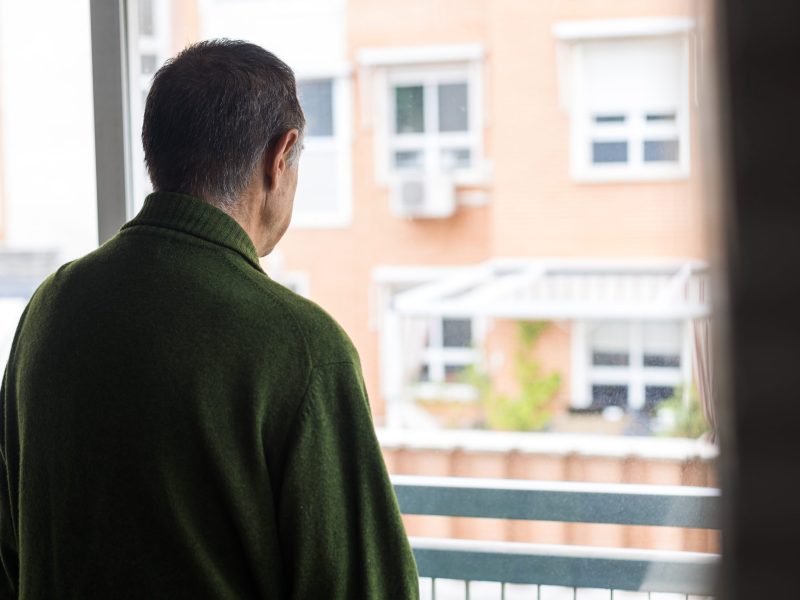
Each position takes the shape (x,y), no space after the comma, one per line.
(687,418)
(529,409)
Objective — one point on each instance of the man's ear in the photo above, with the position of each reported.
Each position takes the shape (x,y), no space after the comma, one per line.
(277,158)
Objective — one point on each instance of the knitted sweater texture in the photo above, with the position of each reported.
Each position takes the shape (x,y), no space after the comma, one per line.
(175,424)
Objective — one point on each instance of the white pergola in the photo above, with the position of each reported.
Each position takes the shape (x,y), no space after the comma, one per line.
(564,289)
(553,289)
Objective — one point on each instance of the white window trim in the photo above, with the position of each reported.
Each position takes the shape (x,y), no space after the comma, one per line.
(342,142)
(387,323)
(636,376)
(572,33)
(436,356)
(425,65)
(409,55)
(615,28)
(433,142)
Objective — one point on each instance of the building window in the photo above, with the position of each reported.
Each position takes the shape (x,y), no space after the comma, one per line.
(633,365)
(433,125)
(629,108)
(448,350)
(316,97)
(323,192)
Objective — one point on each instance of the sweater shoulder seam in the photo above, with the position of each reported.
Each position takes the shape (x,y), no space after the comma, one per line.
(305,402)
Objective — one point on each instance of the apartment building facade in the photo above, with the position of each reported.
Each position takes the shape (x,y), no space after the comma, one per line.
(471,166)
(519,161)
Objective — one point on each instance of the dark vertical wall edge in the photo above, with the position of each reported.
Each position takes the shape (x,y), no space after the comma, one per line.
(759,49)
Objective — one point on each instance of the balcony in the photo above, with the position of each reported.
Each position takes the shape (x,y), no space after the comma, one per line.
(471,569)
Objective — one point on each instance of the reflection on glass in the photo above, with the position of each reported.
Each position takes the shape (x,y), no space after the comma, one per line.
(453,110)
(409,109)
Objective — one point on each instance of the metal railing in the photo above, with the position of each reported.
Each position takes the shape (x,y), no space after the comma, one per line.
(611,569)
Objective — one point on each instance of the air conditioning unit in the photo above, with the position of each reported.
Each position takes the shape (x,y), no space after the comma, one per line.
(423,196)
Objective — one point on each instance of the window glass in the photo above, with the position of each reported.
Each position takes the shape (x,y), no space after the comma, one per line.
(453,113)
(409,109)
(48,202)
(316,98)
(409,159)
(610,345)
(609,118)
(662,344)
(661,150)
(604,396)
(457,333)
(661,117)
(609,152)
(653,394)
(455,158)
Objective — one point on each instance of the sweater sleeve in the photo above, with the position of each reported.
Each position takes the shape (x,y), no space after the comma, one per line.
(340,524)
(9,556)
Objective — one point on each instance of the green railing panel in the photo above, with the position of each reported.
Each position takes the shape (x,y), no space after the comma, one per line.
(573,566)
(569,502)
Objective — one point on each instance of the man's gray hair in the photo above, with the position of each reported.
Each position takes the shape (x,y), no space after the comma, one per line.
(211,114)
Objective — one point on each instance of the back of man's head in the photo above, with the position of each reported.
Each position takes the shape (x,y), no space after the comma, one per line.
(211,114)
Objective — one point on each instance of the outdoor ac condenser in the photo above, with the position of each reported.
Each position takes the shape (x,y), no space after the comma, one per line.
(423,196)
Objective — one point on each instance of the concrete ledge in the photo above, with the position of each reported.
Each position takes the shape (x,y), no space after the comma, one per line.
(559,444)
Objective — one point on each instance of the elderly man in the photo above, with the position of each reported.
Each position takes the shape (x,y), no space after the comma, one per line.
(174,423)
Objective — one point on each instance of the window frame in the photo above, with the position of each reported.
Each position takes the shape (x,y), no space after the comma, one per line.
(386,67)
(636,130)
(431,141)
(635,375)
(340,143)
(387,282)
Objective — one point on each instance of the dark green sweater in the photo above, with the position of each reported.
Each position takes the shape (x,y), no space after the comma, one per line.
(177,425)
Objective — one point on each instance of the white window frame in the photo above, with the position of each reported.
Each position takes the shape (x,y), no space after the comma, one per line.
(583,129)
(341,142)
(432,142)
(389,281)
(634,375)
(383,68)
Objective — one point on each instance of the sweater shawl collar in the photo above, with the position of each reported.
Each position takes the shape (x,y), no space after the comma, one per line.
(195,217)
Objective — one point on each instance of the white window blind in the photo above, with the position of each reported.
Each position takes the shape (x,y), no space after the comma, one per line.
(635,75)
(630,108)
